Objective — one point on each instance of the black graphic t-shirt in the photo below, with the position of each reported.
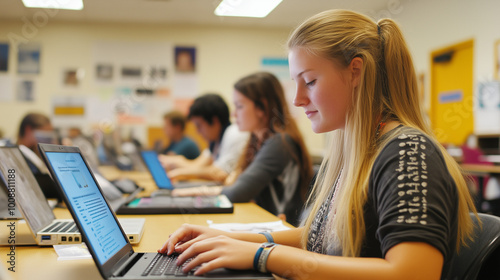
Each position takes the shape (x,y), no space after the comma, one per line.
(411,198)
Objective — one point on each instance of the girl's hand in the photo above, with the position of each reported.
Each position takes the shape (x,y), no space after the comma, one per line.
(187,235)
(172,161)
(178,174)
(218,252)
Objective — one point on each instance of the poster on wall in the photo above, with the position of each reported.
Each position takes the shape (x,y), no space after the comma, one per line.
(131,72)
(185,59)
(69,111)
(186,85)
(186,82)
(154,78)
(487,108)
(452,96)
(104,72)
(6,93)
(4,57)
(28,58)
(25,90)
(72,77)
(64,106)
(157,73)
(134,82)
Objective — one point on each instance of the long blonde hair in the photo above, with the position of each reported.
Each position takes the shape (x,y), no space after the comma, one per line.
(387,89)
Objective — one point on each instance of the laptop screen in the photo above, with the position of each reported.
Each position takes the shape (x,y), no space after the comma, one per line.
(28,194)
(96,219)
(156,170)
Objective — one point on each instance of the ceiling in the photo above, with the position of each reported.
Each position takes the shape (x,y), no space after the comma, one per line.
(192,12)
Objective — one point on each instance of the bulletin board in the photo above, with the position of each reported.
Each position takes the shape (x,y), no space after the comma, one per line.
(133,85)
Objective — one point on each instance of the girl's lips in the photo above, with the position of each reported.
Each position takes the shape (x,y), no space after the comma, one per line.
(309,114)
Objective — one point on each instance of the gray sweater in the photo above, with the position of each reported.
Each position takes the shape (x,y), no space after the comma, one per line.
(272,179)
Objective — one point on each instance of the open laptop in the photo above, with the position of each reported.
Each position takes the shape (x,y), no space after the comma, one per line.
(160,176)
(107,243)
(161,202)
(45,228)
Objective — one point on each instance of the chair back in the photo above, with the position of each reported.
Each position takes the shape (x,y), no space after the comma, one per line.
(481,258)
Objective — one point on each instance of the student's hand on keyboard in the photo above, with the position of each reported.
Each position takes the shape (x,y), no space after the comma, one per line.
(180,174)
(172,161)
(218,252)
(198,191)
(209,248)
(187,235)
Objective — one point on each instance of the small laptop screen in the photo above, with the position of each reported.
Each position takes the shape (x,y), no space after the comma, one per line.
(95,217)
(156,170)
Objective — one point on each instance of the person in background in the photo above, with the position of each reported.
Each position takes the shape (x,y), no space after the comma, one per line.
(275,167)
(75,137)
(35,128)
(389,202)
(210,115)
(174,127)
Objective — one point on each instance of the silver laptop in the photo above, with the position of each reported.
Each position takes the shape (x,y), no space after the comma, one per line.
(107,243)
(29,198)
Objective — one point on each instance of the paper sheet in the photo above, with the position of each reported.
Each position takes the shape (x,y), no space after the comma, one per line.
(72,252)
(249,227)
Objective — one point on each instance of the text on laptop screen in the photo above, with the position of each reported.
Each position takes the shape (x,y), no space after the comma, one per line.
(157,171)
(98,223)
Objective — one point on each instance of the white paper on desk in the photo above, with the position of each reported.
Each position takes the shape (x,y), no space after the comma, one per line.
(72,252)
(249,227)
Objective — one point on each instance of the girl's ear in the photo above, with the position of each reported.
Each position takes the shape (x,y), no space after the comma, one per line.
(356,67)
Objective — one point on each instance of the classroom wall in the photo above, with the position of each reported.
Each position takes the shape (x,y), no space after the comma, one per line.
(430,25)
(226,54)
(223,56)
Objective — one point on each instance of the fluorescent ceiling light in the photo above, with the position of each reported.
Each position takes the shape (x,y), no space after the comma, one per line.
(246,8)
(54,4)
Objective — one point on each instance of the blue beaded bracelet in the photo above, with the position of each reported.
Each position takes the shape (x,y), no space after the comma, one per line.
(256,258)
(268,236)
(259,252)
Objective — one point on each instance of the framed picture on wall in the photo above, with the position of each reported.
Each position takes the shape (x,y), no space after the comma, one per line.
(25,90)
(185,59)
(72,77)
(4,57)
(28,58)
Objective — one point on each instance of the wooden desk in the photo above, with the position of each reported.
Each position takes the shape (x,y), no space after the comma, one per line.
(481,169)
(33,262)
(111,173)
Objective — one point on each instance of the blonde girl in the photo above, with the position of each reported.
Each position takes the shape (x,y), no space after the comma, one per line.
(389,202)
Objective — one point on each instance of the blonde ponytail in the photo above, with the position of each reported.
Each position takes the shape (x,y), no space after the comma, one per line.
(402,93)
(388,87)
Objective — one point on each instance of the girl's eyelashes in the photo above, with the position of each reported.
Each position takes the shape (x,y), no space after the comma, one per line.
(311,83)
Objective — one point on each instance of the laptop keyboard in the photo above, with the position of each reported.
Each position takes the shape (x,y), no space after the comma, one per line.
(166,265)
